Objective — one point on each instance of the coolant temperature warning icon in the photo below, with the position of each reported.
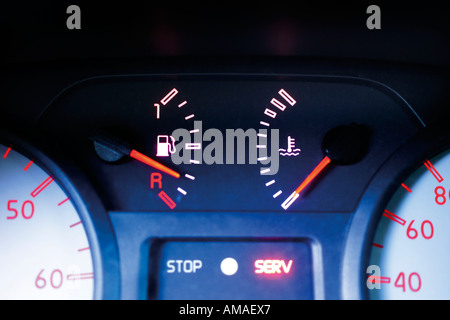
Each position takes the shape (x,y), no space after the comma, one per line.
(291,149)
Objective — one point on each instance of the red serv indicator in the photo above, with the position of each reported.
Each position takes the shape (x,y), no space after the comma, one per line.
(270,266)
(232,269)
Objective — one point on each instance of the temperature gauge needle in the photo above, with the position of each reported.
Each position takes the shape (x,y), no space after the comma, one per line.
(342,145)
(112,149)
(310,178)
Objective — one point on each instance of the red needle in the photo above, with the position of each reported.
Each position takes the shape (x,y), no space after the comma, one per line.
(318,169)
(152,163)
(322,165)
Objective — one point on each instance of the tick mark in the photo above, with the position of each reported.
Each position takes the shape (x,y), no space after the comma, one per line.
(80,276)
(167,200)
(6,153)
(277,194)
(379,279)
(394,217)
(62,202)
(28,166)
(42,186)
(75,224)
(287,97)
(406,188)
(169,96)
(433,170)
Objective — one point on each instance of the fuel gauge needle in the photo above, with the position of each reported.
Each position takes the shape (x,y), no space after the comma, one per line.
(310,178)
(112,149)
(152,163)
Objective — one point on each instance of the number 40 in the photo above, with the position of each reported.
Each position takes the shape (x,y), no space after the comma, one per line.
(414,282)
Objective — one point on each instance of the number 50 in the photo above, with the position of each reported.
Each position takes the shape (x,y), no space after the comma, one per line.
(27,209)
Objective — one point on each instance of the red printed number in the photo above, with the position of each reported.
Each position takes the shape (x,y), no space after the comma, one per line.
(414,282)
(439,193)
(426,230)
(26,209)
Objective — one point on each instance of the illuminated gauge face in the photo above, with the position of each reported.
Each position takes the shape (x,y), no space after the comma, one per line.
(409,258)
(307,150)
(45,253)
(152,147)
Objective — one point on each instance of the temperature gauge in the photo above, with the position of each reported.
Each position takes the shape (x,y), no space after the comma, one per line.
(341,145)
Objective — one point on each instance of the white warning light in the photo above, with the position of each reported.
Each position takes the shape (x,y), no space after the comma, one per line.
(229,266)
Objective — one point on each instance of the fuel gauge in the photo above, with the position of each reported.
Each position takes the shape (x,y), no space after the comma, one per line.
(112,149)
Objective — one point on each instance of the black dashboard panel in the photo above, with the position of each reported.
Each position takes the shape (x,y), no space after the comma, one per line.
(124,106)
(274,78)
